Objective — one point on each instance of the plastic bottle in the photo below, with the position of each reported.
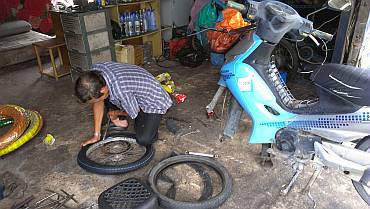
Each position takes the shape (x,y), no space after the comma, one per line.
(127,17)
(145,22)
(152,20)
(130,24)
(137,23)
(141,21)
(122,23)
(98,3)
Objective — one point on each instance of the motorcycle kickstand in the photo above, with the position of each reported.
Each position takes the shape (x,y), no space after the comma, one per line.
(285,191)
(307,188)
(312,180)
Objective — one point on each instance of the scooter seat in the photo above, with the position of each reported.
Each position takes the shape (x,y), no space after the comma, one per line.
(348,82)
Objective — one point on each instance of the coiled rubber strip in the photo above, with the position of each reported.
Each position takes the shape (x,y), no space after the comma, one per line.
(32,130)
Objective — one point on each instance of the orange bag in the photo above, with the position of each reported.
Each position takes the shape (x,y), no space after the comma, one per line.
(233,19)
(220,42)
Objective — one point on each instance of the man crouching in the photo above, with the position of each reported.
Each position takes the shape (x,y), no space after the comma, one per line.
(125,90)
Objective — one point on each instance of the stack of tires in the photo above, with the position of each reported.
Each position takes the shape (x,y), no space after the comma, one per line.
(25,124)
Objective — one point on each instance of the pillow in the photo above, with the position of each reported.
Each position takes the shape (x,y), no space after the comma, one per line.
(14,27)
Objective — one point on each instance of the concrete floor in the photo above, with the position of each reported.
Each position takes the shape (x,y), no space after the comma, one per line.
(52,167)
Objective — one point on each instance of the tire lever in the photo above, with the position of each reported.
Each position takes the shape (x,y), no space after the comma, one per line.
(106,129)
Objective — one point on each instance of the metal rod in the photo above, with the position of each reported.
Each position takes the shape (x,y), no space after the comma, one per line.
(106,130)
(42,200)
(312,180)
(290,185)
(202,154)
(215,98)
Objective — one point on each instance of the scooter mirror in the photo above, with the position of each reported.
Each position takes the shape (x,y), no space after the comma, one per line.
(340,5)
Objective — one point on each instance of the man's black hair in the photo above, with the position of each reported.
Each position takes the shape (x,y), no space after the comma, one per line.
(88,86)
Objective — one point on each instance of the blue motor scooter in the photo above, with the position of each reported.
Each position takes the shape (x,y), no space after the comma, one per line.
(301,129)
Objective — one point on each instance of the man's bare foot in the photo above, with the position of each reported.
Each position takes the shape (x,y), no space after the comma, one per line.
(90,141)
(120,123)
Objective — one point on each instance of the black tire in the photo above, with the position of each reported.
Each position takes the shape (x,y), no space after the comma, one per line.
(363,145)
(91,166)
(288,48)
(215,202)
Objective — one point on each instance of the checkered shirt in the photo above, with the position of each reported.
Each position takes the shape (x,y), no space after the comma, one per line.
(132,88)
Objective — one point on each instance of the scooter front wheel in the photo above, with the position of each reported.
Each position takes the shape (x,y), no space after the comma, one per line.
(363,190)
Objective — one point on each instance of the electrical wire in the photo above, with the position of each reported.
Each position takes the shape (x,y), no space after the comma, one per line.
(324,23)
(294,40)
(314,63)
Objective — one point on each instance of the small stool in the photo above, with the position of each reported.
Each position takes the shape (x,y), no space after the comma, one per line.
(55,71)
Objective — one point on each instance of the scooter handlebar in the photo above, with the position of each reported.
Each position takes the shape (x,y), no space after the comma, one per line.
(322,35)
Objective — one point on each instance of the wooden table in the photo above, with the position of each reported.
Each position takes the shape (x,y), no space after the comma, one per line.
(55,71)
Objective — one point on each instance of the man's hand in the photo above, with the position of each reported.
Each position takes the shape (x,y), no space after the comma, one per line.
(90,141)
(113,115)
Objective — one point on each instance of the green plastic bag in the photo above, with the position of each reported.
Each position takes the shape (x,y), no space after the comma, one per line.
(207,17)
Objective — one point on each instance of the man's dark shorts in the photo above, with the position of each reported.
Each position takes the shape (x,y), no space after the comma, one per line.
(146,125)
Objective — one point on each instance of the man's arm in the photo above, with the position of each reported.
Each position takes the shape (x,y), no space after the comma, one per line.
(98,110)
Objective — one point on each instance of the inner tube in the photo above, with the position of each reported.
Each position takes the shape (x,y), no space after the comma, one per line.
(33,129)
(19,126)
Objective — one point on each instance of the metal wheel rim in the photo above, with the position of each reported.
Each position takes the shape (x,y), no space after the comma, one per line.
(133,152)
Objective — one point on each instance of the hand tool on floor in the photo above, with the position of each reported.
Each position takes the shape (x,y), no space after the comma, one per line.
(106,129)
(191,132)
(23,204)
(202,154)
(59,202)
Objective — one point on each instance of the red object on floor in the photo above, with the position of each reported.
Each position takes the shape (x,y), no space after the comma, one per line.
(180,98)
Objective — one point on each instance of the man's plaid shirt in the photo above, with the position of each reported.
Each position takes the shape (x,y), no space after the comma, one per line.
(132,88)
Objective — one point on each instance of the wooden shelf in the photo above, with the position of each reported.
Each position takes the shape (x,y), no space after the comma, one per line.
(139,36)
(166,27)
(133,3)
(153,36)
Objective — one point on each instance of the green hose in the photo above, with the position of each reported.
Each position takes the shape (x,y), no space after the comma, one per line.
(6,121)
(32,130)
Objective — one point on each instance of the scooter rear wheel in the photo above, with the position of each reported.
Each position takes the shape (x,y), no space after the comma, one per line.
(363,190)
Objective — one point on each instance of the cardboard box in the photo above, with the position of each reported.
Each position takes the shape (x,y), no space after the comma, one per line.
(130,54)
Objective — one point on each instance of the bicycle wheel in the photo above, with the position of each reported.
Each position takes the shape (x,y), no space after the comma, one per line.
(117,154)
